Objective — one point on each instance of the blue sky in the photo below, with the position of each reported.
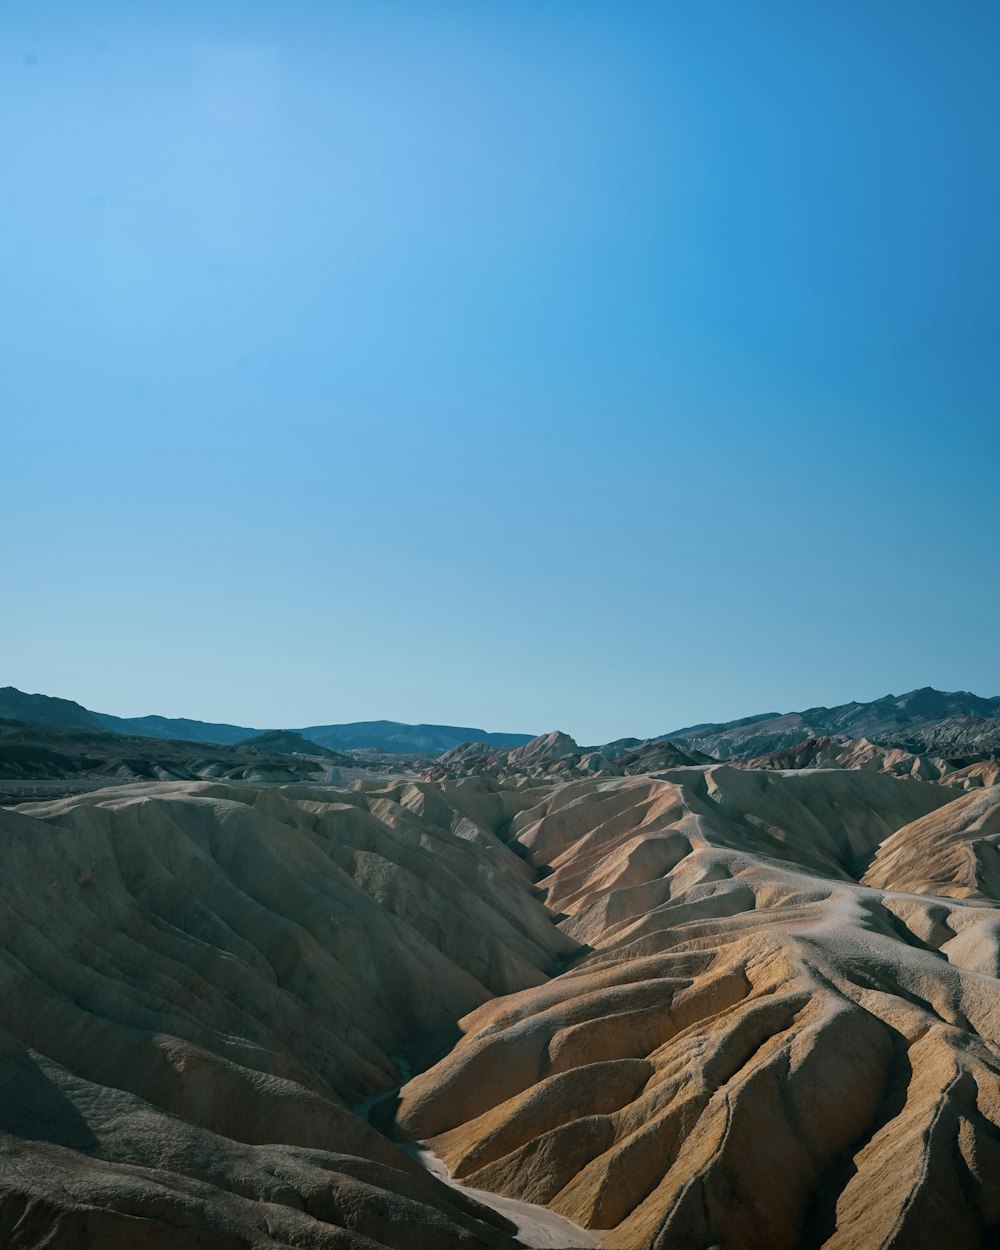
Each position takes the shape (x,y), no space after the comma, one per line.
(525,364)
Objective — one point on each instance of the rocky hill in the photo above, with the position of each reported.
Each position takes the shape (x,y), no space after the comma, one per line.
(924,719)
(784,1030)
(556,756)
(718,1006)
(287,742)
(965,772)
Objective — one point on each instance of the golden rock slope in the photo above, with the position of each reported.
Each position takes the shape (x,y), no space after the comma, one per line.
(785,1032)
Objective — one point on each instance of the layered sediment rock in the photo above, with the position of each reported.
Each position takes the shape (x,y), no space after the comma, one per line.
(759,1050)
(714,1006)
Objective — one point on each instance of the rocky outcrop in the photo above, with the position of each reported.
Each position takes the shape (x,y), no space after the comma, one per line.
(961,772)
(556,757)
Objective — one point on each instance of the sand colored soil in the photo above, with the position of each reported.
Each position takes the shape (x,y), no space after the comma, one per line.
(784,1034)
(710,1007)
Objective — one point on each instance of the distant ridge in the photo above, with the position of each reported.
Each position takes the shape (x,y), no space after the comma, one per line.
(286,742)
(921,720)
(389,735)
(381,735)
(947,720)
(179,729)
(42,709)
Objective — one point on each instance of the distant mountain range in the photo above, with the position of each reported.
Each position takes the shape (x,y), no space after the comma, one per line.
(922,720)
(381,735)
(38,753)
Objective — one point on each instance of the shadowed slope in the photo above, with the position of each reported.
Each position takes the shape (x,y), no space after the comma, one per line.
(954,851)
(198,979)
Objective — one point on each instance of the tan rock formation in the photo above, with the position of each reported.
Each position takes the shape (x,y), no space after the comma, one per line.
(759,1050)
(714,1006)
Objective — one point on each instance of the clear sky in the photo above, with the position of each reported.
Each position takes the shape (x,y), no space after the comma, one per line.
(522,364)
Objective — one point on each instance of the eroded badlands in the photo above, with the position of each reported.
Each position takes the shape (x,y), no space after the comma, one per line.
(708,1007)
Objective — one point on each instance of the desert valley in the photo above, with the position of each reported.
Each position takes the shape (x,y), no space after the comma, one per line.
(738,986)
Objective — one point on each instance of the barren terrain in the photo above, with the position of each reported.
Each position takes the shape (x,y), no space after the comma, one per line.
(709,1006)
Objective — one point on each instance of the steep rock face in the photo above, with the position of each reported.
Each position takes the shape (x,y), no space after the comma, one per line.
(953,852)
(550,746)
(759,1050)
(197,981)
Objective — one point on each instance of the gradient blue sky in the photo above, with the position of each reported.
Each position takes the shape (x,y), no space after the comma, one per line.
(522,364)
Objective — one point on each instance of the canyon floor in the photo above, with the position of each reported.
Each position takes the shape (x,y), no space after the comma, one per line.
(708,1006)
